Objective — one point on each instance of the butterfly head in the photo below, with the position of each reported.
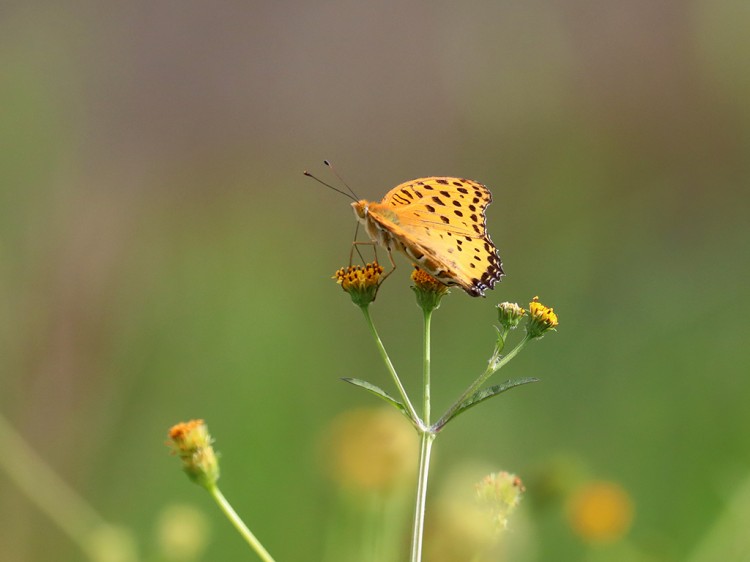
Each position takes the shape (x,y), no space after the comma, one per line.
(361,210)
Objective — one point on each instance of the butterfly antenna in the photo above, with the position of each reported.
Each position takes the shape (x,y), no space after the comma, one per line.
(329,186)
(335,173)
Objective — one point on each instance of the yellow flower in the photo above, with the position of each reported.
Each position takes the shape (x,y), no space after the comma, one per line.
(371,449)
(429,290)
(192,443)
(360,282)
(182,533)
(600,512)
(541,319)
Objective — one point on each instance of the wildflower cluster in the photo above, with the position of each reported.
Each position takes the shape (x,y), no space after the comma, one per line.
(376,463)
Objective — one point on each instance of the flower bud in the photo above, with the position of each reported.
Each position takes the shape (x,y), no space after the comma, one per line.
(509,314)
(192,443)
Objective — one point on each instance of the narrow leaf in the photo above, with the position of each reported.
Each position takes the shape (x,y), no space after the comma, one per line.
(489,392)
(377,391)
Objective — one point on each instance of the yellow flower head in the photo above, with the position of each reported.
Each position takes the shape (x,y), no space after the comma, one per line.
(371,450)
(360,282)
(429,290)
(193,444)
(541,319)
(600,512)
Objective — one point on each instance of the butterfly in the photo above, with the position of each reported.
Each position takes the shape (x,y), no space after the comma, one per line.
(439,223)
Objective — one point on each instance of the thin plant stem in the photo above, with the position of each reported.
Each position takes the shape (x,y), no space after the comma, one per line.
(239,524)
(425,447)
(426,367)
(495,364)
(47,490)
(392,370)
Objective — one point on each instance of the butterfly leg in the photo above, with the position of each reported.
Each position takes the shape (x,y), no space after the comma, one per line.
(393,265)
(355,247)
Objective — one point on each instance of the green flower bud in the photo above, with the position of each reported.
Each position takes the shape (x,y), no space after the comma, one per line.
(192,443)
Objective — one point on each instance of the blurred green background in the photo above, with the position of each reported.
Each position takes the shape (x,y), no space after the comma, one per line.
(163,258)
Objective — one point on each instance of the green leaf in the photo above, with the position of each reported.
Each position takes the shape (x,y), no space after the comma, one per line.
(487,393)
(379,392)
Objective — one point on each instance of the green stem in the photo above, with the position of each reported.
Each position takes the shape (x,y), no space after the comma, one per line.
(47,490)
(239,524)
(425,447)
(426,437)
(391,369)
(495,364)
(426,367)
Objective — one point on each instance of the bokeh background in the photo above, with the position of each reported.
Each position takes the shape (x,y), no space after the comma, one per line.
(162,258)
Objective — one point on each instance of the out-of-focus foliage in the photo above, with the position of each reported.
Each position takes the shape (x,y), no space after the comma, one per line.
(162,257)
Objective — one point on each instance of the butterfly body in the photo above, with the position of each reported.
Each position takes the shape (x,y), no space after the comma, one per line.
(439,223)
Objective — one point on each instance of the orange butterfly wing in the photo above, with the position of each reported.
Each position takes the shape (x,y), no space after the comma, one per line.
(440,223)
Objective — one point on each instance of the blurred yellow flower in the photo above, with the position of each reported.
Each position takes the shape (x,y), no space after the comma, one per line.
(463,526)
(112,543)
(182,533)
(600,512)
(501,492)
(371,449)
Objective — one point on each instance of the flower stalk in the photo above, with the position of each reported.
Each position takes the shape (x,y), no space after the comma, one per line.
(496,362)
(392,370)
(426,439)
(239,524)
(426,368)
(192,442)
